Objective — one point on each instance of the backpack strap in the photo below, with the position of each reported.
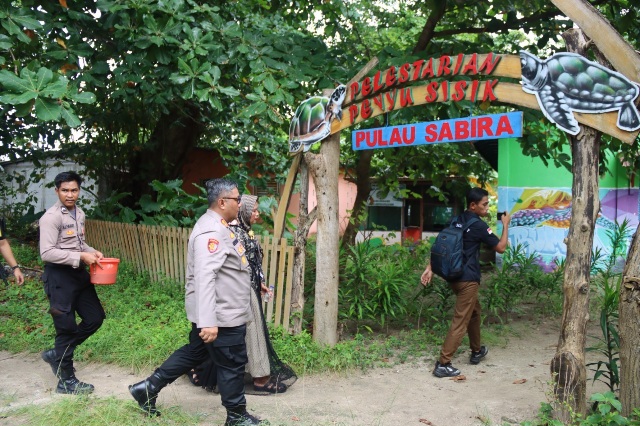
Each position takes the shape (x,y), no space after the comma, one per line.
(468,224)
(465,225)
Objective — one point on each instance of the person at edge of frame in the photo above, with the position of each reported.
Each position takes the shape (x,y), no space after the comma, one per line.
(217,292)
(7,253)
(67,282)
(466,314)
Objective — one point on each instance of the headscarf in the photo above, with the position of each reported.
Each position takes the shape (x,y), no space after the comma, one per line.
(248,202)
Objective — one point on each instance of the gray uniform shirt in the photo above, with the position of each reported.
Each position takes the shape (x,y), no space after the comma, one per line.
(218,284)
(62,236)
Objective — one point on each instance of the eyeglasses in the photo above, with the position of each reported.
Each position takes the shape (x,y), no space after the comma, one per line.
(238,200)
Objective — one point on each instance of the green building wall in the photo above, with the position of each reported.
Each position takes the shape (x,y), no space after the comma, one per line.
(538,197)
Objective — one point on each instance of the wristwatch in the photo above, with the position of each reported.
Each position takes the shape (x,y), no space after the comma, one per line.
(13,268)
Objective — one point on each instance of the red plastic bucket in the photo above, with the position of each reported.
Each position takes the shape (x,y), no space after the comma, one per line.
(105,275)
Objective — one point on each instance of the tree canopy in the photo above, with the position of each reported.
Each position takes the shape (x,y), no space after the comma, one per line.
(129,87)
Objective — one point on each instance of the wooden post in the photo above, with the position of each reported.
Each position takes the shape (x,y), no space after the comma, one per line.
(568,368)
(627,61)
(324,167)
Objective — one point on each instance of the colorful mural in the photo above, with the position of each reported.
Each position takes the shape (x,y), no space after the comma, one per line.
(541,217)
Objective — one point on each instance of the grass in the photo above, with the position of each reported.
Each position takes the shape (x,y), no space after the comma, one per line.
(92,411)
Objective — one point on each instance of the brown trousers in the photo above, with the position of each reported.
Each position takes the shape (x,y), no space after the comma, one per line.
(466,318)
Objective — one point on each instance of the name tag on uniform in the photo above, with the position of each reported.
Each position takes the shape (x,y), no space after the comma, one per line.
(212,245)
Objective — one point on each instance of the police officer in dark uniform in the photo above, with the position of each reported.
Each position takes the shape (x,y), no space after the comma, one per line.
(467,311)
(67,282)
(217,293)
(5,250)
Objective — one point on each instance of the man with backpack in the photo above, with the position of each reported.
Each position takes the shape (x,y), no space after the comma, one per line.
(465,283)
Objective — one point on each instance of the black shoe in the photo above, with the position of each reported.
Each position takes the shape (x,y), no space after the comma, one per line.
(477,356)
(72,385)
(49,356)
(240,417)
(145,393)
(445,370)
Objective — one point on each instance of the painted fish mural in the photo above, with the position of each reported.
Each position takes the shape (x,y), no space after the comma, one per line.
(312,120)
(568,82)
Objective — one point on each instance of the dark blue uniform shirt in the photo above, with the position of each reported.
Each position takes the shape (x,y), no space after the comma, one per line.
(479,232)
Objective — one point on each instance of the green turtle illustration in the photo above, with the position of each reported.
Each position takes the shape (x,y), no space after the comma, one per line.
(568,82)
(312,120)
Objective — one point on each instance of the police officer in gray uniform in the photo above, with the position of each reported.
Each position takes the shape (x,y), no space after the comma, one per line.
(67,282)
(217,292)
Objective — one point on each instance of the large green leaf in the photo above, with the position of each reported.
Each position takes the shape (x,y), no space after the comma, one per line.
(48,110)
(69,117)
(13,83)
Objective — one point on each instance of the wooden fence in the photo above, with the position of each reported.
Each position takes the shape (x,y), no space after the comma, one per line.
(161,251)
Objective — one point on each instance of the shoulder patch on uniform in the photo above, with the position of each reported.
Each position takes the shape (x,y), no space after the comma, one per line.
(212,245)
(489,231)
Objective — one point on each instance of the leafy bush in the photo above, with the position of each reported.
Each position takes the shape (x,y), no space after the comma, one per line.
(607,286)
(374,282)
(172,206)
(606,413)
(519,276)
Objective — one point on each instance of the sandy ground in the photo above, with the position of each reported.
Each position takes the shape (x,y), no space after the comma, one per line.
(506,387)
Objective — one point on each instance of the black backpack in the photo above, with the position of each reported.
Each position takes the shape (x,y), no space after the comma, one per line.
(447,252)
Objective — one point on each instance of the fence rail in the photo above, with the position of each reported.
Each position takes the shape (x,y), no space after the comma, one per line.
(161,251)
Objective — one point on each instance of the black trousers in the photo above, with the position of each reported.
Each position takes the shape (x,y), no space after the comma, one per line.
(70,291)
(229,353)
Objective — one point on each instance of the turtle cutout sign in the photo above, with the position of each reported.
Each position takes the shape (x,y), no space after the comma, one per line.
(312,120)
(567,82)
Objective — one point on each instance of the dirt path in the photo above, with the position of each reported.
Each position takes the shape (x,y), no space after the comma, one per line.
(397,396)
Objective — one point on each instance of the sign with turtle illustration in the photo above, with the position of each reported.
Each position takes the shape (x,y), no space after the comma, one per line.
(568,82)
(569,89)
(312,120)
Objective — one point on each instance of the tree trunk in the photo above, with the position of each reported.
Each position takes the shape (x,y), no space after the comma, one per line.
(305,220)
(324,168)
(162,158)
(429,27)
(627,61)
(363,189)
(629,330)
(568,368)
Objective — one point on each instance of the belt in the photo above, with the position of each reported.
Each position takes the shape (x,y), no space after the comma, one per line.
(61,266)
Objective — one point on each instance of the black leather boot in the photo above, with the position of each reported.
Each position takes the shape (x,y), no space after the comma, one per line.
(146,392)
(68,383)
(49,356)
(240,417)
